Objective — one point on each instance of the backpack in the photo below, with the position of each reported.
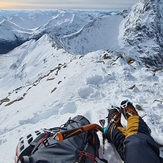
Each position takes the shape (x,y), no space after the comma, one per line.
(43,146)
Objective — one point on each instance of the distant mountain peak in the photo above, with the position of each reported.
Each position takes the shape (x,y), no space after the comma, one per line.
(142,32)
(137,32)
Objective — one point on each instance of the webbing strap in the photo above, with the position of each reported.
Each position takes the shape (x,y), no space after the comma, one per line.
(82,153)
(26,159)
(102,159)
(44,139)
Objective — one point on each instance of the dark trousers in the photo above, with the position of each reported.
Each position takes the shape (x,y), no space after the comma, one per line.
(135,144)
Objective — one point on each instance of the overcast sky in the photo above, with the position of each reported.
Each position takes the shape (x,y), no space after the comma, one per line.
(66,4)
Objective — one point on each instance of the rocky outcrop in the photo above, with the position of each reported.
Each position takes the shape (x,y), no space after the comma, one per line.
(142,32)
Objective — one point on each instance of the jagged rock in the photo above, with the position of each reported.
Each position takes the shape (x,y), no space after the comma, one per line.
(4,100)
(142,32)
(132,87)
(130,60)
(106,56)
(53,89)
(10,103)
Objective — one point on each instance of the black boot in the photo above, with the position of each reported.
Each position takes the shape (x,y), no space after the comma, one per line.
(128,109)
(114,118)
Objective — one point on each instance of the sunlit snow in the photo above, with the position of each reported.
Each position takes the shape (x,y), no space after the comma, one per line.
(43,84)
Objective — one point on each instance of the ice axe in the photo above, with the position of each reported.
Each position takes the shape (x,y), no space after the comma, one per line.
(102,123)
(68,133)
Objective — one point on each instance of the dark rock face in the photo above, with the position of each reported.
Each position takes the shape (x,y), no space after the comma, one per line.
(6,46)
(144,31)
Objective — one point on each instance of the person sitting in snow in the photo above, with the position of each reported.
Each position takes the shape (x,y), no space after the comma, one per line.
(134,144)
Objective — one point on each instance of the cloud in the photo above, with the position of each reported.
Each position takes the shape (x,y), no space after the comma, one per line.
(81,4)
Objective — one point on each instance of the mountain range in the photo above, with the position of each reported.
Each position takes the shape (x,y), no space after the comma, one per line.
(139,30)
(60,63)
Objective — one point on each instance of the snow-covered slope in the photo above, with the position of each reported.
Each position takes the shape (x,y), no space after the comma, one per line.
(100,33)
(34,60)
(47,81)
(11,32)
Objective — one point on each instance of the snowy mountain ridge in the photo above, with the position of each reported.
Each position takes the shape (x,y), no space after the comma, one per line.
(9,29)
(84,70)
(140,31)
(56,23)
